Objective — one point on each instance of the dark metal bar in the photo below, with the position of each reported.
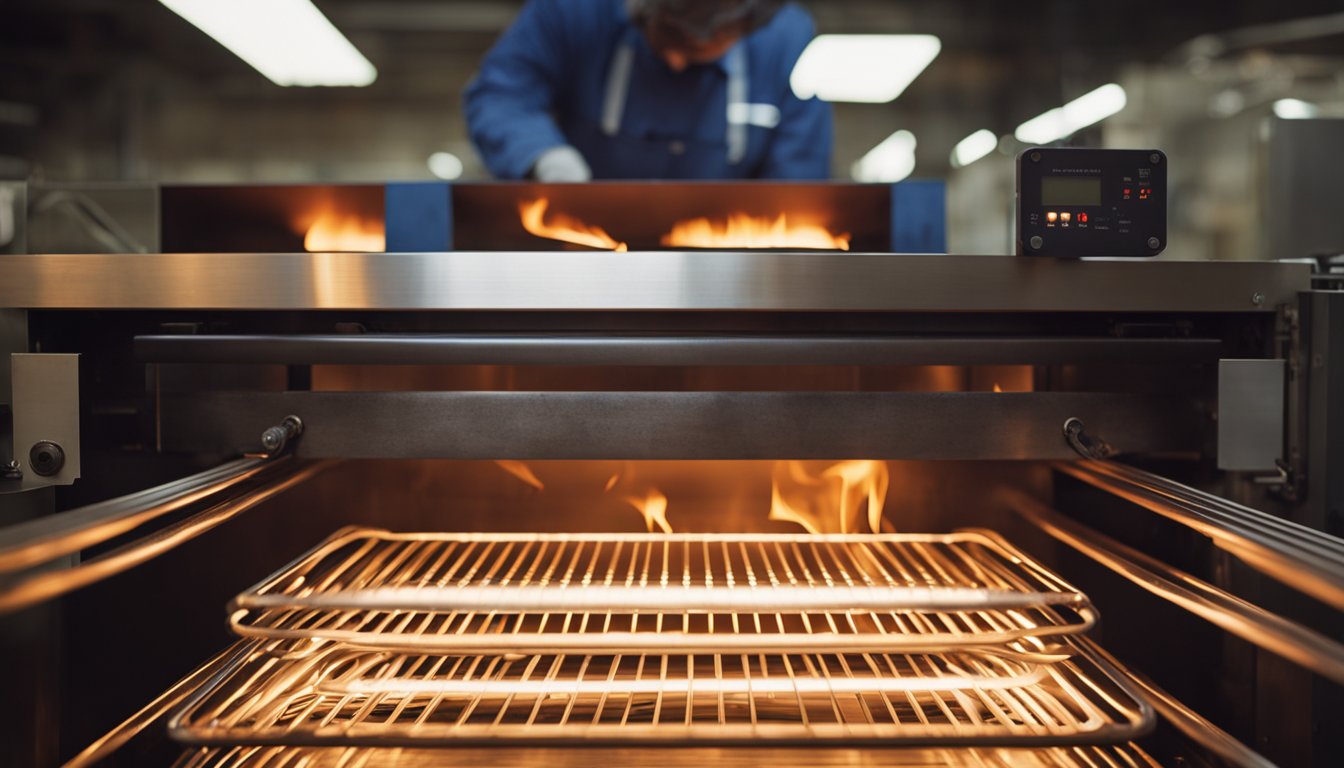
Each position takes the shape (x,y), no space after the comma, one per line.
(45,585)
(673,425)
(1307,560)
(43,539)
(1288,639)
(558,349)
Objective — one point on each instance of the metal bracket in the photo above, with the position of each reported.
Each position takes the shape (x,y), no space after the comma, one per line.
(46,422)
(1087,446)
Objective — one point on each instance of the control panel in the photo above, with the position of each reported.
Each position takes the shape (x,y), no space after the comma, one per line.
(1091,202)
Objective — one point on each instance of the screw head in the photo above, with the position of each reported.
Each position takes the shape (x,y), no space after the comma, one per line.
(1154,243)
(1035,157)
(1258,298)
(1155,158)
(46,458)
(1036,242)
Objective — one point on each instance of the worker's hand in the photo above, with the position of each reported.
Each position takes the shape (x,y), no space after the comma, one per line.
(562,164)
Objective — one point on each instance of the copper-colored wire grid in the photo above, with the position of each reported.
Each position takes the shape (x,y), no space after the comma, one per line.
(712,593)
(311,694)
(1119,756)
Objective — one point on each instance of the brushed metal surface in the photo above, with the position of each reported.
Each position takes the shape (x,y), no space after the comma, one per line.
(678,425)
(642,281)
(662,350)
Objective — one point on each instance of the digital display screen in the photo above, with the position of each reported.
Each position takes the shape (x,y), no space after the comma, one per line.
(1071,190)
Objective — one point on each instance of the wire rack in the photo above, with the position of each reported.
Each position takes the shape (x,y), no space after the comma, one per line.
(602,593)
(1120,756)
(312,694)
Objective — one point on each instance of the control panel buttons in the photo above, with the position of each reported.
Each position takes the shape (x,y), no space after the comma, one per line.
(1051,216)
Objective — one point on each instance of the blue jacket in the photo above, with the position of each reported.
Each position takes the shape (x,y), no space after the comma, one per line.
(556,75)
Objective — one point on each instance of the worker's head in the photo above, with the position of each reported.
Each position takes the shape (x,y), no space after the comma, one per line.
(686,32)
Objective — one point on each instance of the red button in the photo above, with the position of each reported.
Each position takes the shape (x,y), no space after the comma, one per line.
(1082,217)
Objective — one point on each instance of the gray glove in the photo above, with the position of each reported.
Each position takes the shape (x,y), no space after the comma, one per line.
(562,164)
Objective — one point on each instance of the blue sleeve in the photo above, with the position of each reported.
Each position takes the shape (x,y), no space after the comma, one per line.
(510,102)
(800,148)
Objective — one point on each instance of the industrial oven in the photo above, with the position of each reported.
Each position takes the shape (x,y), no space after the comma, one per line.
(679,504)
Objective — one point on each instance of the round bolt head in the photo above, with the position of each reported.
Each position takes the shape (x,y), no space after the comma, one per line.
(1257,298)
(1156,157)
(1035,157)
(46,458)
(1036,242)
(1154,243)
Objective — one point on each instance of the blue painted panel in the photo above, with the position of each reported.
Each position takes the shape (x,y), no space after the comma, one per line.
(919,217)
(418,217)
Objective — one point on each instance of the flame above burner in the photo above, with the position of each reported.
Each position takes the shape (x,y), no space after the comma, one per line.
(654,509)
(335,232)
(744,231)
(830,501)
(564,228)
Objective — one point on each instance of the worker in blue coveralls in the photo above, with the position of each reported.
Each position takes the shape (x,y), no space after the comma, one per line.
(653,89)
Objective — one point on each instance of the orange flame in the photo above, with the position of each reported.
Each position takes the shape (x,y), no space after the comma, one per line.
(332,231)
(745,231)
(831,501)
(564,228)
(521,471)
(654,509)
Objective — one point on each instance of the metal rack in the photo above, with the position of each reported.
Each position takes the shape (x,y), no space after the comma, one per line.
(606,593)
(312,694)
(1119,756)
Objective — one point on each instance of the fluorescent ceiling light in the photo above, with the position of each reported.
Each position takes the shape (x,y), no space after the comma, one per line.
(873,69)
(1295,109)
(974,147)
(1062,122)
(445,165)
(890,161)
(288,41)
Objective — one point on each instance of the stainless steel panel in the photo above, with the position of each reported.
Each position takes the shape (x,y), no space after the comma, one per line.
(677,425)
(644,281)
(1250,414)
(572,349)
(46,411)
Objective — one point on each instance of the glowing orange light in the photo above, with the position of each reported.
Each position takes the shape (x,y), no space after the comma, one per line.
(744,231)
(831,501)
(654,509)
(564,228)
(332,231)
(521,471)
(997,388)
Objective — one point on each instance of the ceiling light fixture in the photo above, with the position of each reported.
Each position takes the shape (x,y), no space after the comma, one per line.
(288,41)
(888,162)
(974,147)
(871,69)
(1062,122)
(445,165)
(1295,109)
